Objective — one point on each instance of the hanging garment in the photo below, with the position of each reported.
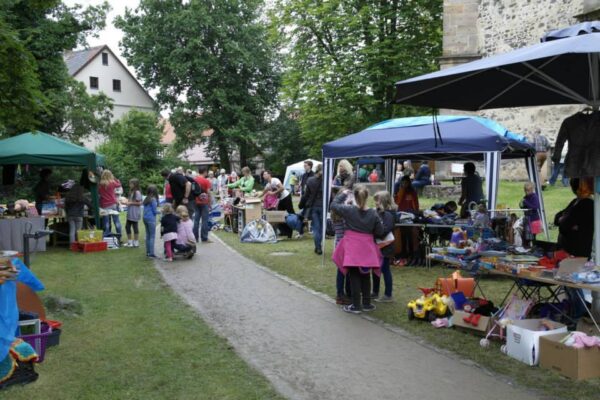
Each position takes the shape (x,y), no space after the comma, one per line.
(582,132)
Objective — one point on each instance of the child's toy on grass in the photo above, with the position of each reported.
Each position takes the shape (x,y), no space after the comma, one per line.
(458,238)
(429,306)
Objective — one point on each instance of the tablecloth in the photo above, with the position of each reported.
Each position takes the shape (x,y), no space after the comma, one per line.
(11,233)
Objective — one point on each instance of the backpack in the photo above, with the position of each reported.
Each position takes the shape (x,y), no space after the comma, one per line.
(196,189)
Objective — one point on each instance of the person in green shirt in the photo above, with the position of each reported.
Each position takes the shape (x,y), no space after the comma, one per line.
(245,183)
(293,182)
(363,173)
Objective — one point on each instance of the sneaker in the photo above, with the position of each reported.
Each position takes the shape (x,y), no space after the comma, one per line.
(374,295)
(384,299)
(298,236)
(368,307)
(350,309)
(169,259)
(319,251)
(128,244)
(207,241)
(151,256)
(136,244)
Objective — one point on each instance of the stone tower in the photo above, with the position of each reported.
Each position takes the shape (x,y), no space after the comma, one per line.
(481,28)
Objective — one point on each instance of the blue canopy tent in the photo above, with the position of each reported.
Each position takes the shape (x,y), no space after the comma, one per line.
(465,138)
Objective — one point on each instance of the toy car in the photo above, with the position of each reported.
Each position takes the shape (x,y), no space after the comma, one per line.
(429,306)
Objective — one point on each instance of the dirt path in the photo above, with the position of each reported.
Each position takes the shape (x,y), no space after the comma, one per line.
(308,348)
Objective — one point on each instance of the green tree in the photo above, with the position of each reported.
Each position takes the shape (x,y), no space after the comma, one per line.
(282,143)
(34,35)
(343,57)
(211,64)
(83,114)
(133,149)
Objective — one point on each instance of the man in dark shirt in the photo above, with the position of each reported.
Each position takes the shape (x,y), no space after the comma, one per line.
(180,187)
(308,172)
(470,189)
(422,177)
(312,199)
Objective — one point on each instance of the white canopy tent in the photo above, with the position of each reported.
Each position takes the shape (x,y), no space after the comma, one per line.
(298,168)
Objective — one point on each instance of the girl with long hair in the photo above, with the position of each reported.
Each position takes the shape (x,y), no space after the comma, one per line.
(150,213)
(407,200)
(357,254)
(384,206)
(134,213)
(109,202)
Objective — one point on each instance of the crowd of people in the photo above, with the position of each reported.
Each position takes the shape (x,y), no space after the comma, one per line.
(367,240)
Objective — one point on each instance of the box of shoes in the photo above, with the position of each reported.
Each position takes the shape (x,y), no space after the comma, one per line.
(475,323)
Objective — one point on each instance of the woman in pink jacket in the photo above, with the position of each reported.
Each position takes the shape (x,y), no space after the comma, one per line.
(357,254)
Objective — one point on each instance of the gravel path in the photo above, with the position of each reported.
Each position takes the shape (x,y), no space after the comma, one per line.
(308,348)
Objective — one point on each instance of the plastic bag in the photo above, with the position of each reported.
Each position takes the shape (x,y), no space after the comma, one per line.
(258,231)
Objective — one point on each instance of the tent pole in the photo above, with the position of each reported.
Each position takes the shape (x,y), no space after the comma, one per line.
(95,204)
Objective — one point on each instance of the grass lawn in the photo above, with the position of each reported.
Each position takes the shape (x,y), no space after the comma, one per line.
(306,267)
(135,338)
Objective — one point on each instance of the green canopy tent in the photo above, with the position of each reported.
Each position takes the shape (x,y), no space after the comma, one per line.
(38,148)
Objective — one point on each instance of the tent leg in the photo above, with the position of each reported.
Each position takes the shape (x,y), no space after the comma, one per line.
(95,205)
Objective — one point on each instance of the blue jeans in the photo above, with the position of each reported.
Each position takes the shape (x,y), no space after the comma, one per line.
(201,212)
(559,169)
(387,278)
(317,225)
(342,282)
(420,183)
(115,219)
(150,225)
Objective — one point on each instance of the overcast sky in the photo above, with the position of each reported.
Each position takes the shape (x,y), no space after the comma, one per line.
(111,35)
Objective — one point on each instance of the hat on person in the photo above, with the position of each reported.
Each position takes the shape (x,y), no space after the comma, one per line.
(222,171)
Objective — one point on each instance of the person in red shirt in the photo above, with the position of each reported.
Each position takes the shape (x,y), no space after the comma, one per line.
(374,177)
(109,201)
(408,201)
(203,202)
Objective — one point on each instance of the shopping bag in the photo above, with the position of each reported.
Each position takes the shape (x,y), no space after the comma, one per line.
(536,227)
(386,241)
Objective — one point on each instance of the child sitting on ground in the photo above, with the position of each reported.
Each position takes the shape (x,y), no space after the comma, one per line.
(186,241)
(168,230)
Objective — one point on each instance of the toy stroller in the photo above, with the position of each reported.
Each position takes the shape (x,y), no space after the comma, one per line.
(515,309)
(215,214)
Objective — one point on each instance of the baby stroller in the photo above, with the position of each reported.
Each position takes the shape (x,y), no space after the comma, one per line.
(515,309)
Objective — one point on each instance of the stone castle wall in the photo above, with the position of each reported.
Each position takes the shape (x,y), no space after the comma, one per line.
(505,25)
(501,26)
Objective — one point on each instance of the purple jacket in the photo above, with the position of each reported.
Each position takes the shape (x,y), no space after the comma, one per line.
(532,202)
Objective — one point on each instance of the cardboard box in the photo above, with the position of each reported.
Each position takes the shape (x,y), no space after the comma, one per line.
(523,338)
(587,326)
(484,325)
(275,217)
(573,363)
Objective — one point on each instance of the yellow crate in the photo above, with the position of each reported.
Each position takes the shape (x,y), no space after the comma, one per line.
(89,236)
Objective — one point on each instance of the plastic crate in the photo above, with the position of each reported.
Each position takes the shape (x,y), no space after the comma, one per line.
(53,338)
(39,342)
(89,236)
(89,247)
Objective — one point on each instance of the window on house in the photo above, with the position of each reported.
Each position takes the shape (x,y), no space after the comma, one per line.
(116,85)
(104,58)
(93,82)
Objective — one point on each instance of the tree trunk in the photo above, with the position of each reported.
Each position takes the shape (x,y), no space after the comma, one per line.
(223,151)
